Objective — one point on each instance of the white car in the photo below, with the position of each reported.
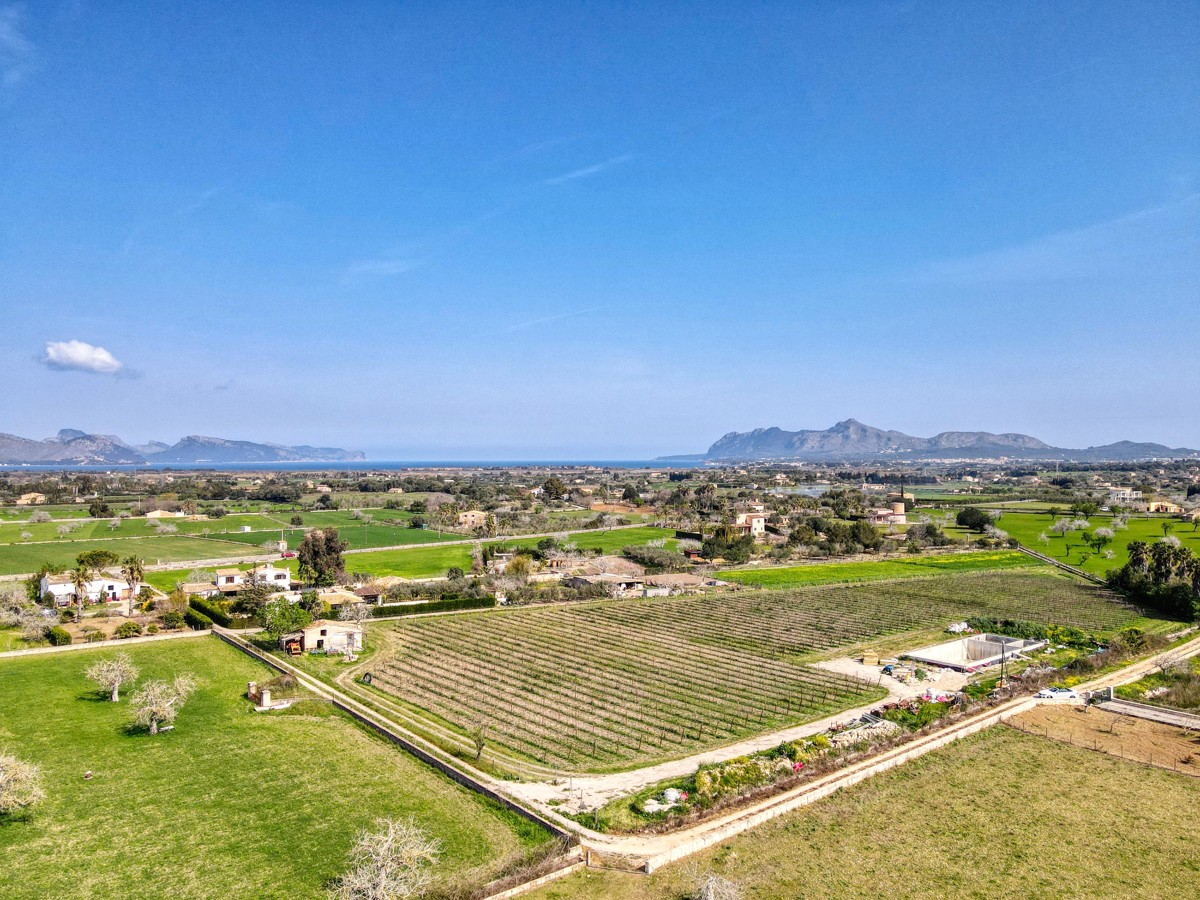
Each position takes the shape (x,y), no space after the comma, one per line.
(1057,693)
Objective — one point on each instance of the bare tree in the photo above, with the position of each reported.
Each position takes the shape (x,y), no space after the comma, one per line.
(714,887)
(111,674)
(34,626)
(157,703)
(358,613)
(391,863)
(20,784)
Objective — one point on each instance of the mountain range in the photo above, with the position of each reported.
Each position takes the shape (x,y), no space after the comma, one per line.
(852,441)
(73,447)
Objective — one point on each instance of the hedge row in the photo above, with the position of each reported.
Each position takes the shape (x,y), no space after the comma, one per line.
(211,611)
(433,606)
(197,621)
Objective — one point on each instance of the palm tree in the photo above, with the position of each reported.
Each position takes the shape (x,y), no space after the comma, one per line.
(1139,555)
(80,576)
(132,570)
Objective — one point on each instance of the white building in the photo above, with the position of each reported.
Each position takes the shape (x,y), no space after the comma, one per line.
(753,523)
(101,589)
(1123,495)
(323,635)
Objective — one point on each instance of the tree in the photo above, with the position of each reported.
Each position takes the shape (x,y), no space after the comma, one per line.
(157,703)
(975,519)
(554,488)
(320,555)
(714,887)
(132,570)
(80,577)
(280,616)
(297,521)
(358,613)
(99,510)
(111,674)
(479,737)
(20,785)
(391,863)
(454,573)
(97,559)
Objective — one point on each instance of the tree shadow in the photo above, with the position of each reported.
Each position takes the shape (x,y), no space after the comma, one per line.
(99,696)
(22,817)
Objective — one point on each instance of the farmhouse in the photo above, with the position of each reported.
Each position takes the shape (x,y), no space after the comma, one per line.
(752,523)
(893,515)
(472,518)
(616,585)
(102,589)
(1164,506)
(31,499)
(165,514)
(324,635)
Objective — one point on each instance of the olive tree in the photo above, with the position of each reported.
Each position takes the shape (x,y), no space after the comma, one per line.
(394,861)
(157,703)
(111,674)
(20,784)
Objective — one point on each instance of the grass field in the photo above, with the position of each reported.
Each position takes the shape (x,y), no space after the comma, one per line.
(1027,527)
(16,559)
(904,567)
(431,562)
(231,803)
(975,819)
(603,685)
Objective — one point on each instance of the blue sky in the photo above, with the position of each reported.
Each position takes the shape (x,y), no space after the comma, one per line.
(598,230)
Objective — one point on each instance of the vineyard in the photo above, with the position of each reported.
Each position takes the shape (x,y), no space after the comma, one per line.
(616,683)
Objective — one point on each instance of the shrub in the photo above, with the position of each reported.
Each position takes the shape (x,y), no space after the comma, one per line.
(128,630)
(197,620)
(173,620)
(152,628)
(210,611)
(58,636)
(433,606)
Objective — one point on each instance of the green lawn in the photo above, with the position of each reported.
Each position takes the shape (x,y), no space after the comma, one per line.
(232,803)
(906,567)
(998,815)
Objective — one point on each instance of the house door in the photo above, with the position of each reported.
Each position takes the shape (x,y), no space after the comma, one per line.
(320,643)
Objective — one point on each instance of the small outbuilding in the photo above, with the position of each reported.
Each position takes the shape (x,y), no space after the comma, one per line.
(323,636)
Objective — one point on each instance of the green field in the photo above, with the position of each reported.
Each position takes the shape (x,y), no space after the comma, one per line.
(1027,527)
(599,685)
(431,562)
(975,819)
(231,803)
(16,559)
(905,567)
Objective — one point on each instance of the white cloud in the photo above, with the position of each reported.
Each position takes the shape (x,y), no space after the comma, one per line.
(18,56)
(80,356)
(589,171)
(379,268)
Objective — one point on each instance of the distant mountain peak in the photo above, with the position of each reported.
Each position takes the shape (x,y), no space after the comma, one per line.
(851,440)
(74,447)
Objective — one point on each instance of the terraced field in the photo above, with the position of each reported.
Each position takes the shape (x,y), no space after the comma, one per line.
(610,684)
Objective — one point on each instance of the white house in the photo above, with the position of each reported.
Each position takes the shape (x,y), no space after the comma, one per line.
(101,589)
(753,523)
(165,514)
(1123,495)
(324,635)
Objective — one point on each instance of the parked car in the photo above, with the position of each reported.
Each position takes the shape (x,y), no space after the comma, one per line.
(1057,693)
(288,554)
